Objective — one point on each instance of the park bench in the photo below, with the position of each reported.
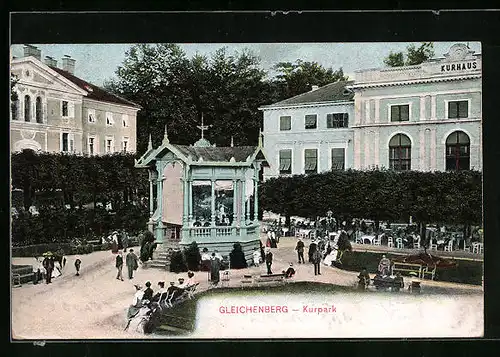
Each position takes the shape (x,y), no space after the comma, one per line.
(408,268)
(21,274)
(270,278)
(429,271)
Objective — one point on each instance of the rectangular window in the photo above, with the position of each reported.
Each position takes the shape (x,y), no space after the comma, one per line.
(109,119)
(310,161)
(125,120)
(65,109)
(337,120)
(91,145)
(400,112)
(458,109)
(125,144)
(311,121)
(109,145)
(285,162)
(91,115)
(285,123)
(65,142)
(400,158)
(338,159)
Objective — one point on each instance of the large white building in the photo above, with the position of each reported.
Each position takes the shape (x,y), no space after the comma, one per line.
(310,132)
(425,117)
(56,111)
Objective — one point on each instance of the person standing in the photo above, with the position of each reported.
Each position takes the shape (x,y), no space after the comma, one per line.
(269,260)
(78,263)
(300,250)
(256,257)
(312,248)
(131,261)
(214,269)
(124,240)
(119,266)
(48,265)
(316,259)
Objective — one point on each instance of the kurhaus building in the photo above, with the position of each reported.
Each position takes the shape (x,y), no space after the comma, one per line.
(425,117)
(310,132)
(56,111)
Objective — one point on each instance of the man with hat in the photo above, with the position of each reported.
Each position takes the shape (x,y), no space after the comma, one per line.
(312,248)
(48,264)
(119,265)
(269,260)
(131,261)
(300,250)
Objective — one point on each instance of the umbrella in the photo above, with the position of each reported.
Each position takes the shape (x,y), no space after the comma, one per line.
(427,260)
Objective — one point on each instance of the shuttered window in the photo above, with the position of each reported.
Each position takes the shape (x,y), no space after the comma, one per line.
(400,112)
(311,121)
(458,109)
(285,123)
(337,120)
(310,161)
(285,162)
(338,159)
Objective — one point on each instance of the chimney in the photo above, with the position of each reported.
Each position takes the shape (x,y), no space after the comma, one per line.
(30,50)
(68,64)
(314,88)
(49,61)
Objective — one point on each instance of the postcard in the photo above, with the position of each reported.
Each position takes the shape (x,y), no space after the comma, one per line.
(246,190)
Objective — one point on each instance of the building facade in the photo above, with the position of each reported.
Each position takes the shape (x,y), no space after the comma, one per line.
(56,111)
(425,117)
(311,132)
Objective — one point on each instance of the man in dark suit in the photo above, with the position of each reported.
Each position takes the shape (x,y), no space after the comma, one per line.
(48,264)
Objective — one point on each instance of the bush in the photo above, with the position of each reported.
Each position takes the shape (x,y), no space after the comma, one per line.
(177,262)
(193,256)
(237,257)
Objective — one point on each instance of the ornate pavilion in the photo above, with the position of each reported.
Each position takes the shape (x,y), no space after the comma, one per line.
(204,193)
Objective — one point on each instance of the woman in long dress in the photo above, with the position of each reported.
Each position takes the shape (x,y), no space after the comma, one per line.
(57,270)
(331,257)
(214,270)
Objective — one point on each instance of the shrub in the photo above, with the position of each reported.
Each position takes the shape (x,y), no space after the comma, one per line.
(193,256)
(237,257)
(177,262)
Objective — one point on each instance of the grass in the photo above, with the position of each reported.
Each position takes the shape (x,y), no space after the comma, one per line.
(467,272)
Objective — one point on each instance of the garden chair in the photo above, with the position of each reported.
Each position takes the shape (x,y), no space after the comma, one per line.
(399,243)
(376,241)
(466,249)
(477,248)
(16,280)
(390,242)
(225,278)
(449,246)
(416,245)
(359,240)
(434,246)
(191,290)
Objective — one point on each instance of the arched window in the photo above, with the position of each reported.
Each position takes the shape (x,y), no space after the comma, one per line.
(14,107)
(38,110)
(27,108)
(457,151)
(400,153)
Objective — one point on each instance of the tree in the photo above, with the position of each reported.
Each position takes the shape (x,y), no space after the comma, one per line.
(414,55)
(299,77)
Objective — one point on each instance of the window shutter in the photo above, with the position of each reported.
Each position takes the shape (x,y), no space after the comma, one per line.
(405,113)
(346,120)
(463,109)
(71,142)
(452,110)
(71,110)
(329,121)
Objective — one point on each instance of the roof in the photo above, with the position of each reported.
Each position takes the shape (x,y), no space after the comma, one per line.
(333,92)
(217,154)
(95,92)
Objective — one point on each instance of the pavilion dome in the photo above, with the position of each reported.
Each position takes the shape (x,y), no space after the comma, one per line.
(202,143)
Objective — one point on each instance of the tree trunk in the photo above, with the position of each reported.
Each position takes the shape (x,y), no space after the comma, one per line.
(423,235)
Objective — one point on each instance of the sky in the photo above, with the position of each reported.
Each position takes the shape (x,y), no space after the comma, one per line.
(97,63)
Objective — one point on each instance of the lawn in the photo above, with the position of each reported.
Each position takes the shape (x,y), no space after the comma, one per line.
(467,272)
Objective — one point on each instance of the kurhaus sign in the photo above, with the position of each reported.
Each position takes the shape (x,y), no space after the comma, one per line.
(464,66)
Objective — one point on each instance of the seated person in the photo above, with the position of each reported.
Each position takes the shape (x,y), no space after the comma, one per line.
(190,282)
(364,277)
(384,266)
(398,282)
(161,290)
(173,293)
(138,296)
(181,283)
(289,272)
(148,292)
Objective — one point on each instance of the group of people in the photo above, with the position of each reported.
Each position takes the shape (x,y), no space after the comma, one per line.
(383,278)
(51,267)
(118,240)
(131,261)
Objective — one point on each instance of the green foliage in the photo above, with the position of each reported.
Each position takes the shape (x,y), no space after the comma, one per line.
(414,55)
(299,77)
(237,257)
(178,262)
(193,257)
(381,195)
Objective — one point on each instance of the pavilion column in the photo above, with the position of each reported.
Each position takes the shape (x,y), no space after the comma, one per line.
(212,217)
(248,209)
(255,200)
(242,205)
(190,202)
(235,205)
(159,200)
(185,207)
(151,198)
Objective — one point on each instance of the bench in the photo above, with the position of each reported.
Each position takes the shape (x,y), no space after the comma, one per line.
(21,274)
(270,278)
(407,267)
(429,271)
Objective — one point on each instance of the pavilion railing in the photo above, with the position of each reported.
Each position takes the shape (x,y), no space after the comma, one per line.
(200,233)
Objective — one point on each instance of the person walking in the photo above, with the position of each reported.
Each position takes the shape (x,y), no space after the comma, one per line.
(300,250)
(131,261)
(125,242)
(312,248)
(78,263)
(48,265)
(269,260)
(119,266)
(316,260)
